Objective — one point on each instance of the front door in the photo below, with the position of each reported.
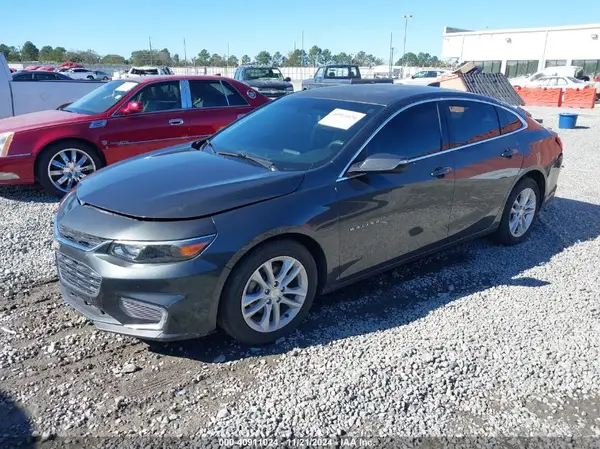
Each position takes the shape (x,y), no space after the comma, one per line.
(384,217)
(487,158)
(163,122)
(215,104)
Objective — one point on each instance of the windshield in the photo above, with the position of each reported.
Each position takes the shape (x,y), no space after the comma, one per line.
(101,99)
(267,73)
(296,133)
(575,80)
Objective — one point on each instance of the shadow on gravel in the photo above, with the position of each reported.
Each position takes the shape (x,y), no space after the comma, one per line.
(412,291)
(15,430)
(27,194)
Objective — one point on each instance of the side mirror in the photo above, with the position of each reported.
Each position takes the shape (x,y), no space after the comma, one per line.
(413,77)
(133,107)
(287,79)
(378,163)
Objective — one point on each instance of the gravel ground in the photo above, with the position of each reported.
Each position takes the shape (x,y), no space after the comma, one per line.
(481,341)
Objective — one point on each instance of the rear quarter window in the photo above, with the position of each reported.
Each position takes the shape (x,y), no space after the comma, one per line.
(509,122)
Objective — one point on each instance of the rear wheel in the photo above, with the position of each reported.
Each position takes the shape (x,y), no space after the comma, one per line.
(269,293)
(520,212)
(62,165)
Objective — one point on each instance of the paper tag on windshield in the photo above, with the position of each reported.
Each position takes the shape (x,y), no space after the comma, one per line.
(125,87)
(341,118)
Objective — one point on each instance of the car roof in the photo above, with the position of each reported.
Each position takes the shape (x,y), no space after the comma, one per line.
(152,78)
(385,94)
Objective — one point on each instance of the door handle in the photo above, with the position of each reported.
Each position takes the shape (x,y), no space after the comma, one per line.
(440,172)
(176,121)
(509,152)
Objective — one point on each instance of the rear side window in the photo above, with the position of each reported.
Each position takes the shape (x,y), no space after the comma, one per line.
(413,133)
(470,121)
(509,122)
(214,94)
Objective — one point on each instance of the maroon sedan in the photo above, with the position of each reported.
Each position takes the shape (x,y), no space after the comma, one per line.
(121,119)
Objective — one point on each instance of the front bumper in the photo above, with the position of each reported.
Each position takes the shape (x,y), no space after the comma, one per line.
(17,169)
(163,302)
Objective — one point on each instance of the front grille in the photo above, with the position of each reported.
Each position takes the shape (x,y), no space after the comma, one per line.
(78,276)
(80,238)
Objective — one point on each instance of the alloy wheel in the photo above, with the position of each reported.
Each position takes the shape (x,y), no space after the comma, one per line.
(68,167)
(274,294)
(522,212)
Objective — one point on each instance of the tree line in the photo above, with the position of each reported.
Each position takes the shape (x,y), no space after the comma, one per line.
(315,56)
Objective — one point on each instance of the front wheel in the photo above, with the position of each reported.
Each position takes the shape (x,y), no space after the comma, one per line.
(62,165)
(520,212)
(269,293)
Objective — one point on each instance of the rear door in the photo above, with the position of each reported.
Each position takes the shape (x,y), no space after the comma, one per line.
(163,122)
(487,159)
(214,104)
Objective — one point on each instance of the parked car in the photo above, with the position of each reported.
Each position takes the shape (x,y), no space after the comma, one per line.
(563,82)
(18,98)
(526,81)
(99,75)
(118,120)
(244,229)
(424,77)
(333,74)
(39,75)
(269,81)
(79,73)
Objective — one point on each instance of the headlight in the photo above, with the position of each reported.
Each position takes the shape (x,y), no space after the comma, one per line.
(289,89)
(160,252)
(5,140)
(67,204)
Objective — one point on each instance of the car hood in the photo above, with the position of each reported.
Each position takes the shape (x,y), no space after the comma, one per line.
(180,184)
(268,84)
(41,119)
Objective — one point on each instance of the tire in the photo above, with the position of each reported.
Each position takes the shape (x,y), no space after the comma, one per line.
(503,234)
(90,78)
(53,154)
(231,319)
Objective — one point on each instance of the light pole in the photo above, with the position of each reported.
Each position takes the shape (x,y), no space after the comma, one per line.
(406,17)
(150,45)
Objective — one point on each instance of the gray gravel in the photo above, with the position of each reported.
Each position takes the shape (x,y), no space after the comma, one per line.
(478,341)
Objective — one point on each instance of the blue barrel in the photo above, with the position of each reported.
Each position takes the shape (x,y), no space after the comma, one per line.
(567,120)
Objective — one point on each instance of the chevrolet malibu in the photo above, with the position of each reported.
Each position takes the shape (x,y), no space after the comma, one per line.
(302,196)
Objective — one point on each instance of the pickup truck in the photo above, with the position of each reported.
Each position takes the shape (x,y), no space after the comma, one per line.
(21,97)
(333,74)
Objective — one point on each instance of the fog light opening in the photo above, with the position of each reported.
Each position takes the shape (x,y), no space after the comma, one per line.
(154,316)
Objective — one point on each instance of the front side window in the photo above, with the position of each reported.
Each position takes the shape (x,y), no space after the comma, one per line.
(419,75)
(103,98)
(413,133)
(320,72)
(470,121)
(163,96)
(296,133)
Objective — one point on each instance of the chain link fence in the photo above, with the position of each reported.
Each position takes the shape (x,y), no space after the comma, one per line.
(295,73)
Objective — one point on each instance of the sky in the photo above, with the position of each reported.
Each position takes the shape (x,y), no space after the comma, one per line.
(122,26)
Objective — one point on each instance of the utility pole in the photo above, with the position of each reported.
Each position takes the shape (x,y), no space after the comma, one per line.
(302,48)
(391,55)
(406,17)
(227,62)
(150,44)
(184,52)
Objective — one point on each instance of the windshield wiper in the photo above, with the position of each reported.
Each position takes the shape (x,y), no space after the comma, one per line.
(258,160)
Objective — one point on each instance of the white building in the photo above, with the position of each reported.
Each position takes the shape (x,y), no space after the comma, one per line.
(517,52)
